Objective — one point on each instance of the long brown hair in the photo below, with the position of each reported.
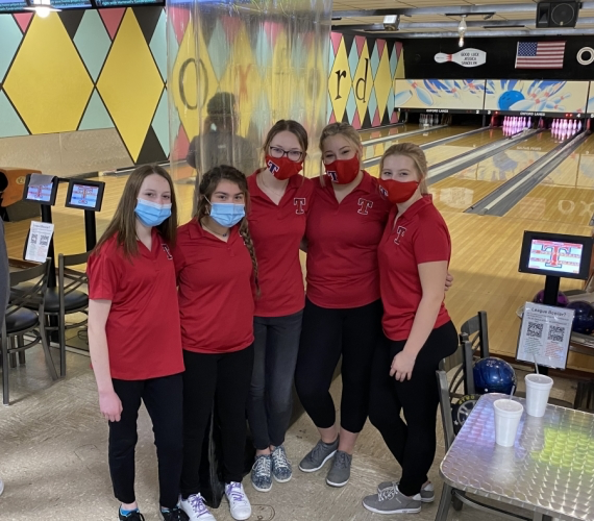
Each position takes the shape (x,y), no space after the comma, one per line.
(342,129)
(123,224)
(418,157)
(204,190)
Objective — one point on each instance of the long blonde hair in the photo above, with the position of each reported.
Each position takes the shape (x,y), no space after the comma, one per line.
(203,191)
(418,157)
(342,129)
(123,224)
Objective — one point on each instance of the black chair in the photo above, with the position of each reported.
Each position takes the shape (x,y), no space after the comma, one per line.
(25,315)
(476,329)
(70,297)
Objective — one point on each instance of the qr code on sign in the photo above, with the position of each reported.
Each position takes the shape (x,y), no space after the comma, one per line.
(556,334)
(535,330)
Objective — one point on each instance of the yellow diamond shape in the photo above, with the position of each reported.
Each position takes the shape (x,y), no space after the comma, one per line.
(363,82)
(48,84)
(383,82)
(130,84)
(339,82)
(189,92)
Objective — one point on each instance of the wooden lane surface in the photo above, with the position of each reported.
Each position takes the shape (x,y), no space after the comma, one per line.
(370,134)
(467,187)
(462,145)
(566,195)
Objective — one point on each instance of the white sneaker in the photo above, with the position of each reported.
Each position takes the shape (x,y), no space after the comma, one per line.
(194,506)
(239,505)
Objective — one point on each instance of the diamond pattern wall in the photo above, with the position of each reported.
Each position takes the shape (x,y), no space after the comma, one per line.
(115,61)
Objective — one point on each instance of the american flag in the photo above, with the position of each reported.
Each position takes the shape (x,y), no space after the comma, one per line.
(540,55)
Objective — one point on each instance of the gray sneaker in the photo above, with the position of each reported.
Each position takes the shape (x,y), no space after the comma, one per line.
(425,495)
(260,476)
(282,471)
(318,456)
(392,502)
(339,473)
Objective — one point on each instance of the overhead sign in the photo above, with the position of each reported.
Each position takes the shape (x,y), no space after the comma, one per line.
(466,57)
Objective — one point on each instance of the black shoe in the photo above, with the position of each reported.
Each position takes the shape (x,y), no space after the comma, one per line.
(133,515)
(174,514)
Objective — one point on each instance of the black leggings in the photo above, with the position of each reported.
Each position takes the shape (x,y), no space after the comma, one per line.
(163,399)
(225,376)
(413,444)
(328,334)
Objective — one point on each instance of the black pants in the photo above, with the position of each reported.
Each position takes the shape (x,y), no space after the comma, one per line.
(225,376)
(276,343)
(163,399)
(413,443)
(328,334)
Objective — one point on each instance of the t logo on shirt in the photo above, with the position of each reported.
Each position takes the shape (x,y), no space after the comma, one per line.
(167,252)
(400,232)
(333,175)
(364,206)
(300,203)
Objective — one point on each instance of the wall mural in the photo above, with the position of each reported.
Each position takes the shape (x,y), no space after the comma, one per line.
(536,95)
(116,64)
(439,94)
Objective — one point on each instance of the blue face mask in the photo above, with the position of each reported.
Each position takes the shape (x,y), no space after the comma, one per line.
(152,214)
(227,214)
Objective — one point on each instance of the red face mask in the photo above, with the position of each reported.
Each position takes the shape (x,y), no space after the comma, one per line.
(397,191)
(343,171)
(283,168)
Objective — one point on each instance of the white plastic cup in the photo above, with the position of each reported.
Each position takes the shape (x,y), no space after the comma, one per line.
(507,415)
(538,392)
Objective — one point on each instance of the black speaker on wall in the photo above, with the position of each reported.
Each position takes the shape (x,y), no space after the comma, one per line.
(557,13)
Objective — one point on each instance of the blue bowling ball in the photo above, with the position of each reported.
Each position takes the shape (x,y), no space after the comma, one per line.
(583,317)
(493,375)
(508,98)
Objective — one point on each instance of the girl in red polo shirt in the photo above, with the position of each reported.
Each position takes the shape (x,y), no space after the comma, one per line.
(343,308)
(216,269)
(413,257)
(279,199)
(134,335)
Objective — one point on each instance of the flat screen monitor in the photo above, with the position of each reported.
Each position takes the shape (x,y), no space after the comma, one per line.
(12,6)
(84,194)
(42,189)
(556,255)
(71,4)
(127,3)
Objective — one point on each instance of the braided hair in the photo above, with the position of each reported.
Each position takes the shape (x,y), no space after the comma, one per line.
(203,191)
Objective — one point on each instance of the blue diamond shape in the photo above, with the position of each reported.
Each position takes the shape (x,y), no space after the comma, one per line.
(10,123)
(10,39)
(160,123)
(218,49)
(158,46)
(353,59)
(351,105)
(263,51)
(374,61)
(96,115)
(390,103)
(393,62)
(372,104)
(93,42)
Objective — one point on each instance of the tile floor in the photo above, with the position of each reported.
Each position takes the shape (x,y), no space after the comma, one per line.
(53,459)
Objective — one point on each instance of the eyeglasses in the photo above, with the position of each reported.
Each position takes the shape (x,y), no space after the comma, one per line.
(293,155)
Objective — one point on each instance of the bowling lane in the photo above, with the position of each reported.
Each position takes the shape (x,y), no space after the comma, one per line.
(467,187)
(389,130)
(566,195)
(432,134)
(462,145)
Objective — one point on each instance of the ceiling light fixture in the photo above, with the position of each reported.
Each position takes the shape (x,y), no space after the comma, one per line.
(391,22)
(42,8)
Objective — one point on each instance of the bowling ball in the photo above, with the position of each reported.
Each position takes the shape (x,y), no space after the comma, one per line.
(562,299)
(508,98)
(583,317)
(493,375)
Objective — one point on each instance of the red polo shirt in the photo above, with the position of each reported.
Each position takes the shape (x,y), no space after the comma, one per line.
(276,231)
(420,235)
(143,325)
(214,290)
(342,264)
